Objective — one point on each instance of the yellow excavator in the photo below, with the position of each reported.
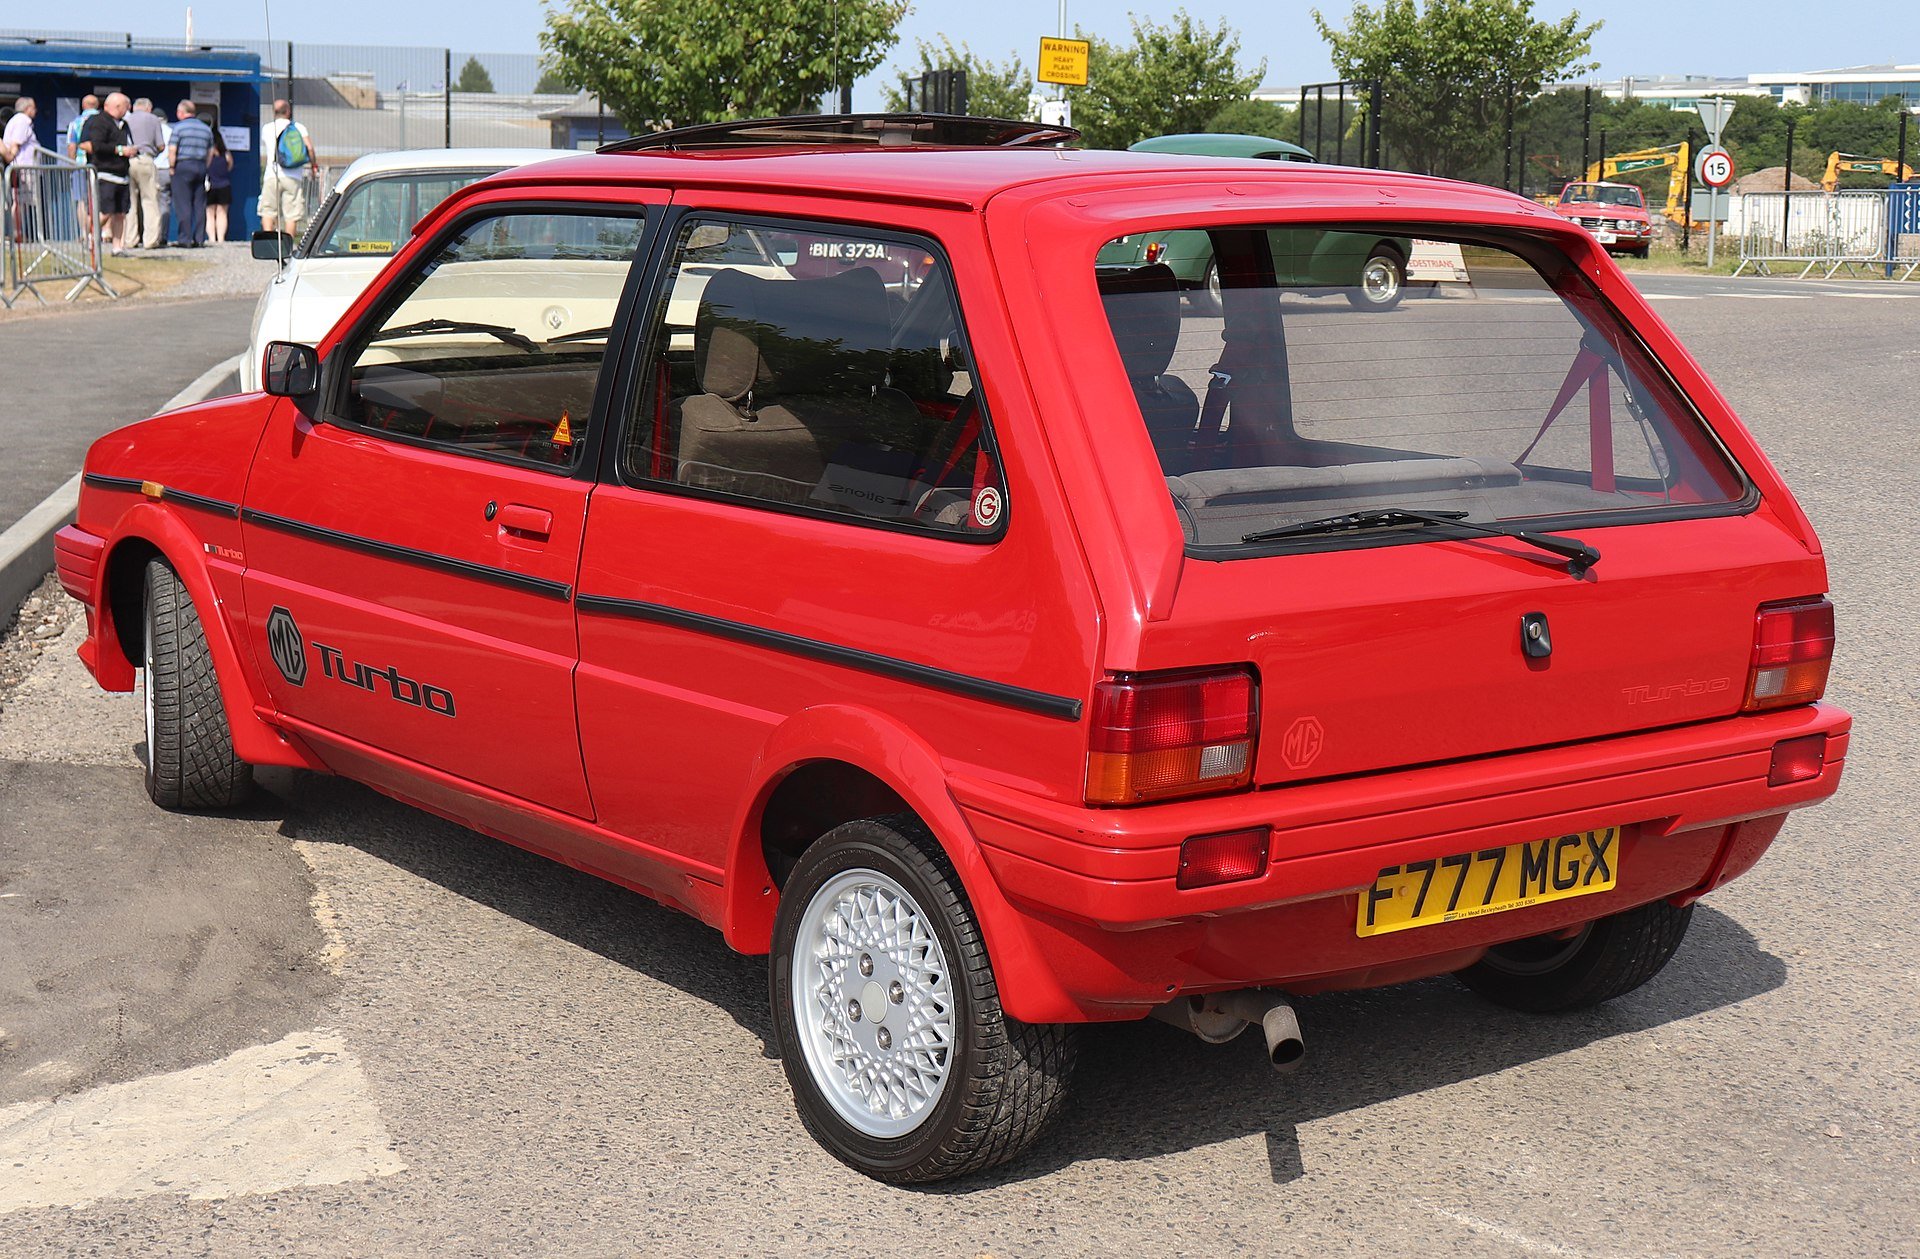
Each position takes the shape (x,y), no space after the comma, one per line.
(1839,164)
(1672,156)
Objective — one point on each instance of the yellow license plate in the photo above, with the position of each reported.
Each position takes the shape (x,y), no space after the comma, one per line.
(1472,884)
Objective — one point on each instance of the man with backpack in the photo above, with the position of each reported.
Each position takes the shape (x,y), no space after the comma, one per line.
(283,188)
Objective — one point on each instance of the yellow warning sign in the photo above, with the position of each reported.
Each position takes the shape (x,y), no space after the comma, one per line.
(1063,61)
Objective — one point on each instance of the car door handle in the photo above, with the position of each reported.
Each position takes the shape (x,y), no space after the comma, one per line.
(520,523)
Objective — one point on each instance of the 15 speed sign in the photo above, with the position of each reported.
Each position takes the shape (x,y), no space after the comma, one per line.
(1716,167)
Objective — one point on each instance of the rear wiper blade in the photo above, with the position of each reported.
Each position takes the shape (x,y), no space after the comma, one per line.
(1580,557)
(427,327)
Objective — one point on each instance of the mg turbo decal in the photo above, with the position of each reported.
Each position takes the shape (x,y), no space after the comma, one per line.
(289,650)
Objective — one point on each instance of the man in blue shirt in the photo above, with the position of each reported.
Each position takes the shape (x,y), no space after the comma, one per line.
(187,153)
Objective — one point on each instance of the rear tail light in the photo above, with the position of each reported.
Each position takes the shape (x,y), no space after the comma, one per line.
(1797,760)
(1155,251)
(1792,651)
(1231,858)
(1156,736)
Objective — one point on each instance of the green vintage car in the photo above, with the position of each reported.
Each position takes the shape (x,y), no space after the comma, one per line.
(1371,270)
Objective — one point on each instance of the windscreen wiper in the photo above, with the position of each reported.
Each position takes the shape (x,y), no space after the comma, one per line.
(1580,557)
(427,327)
(585,334)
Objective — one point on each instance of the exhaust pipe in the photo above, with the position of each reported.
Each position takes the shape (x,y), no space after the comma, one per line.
(1219,1017)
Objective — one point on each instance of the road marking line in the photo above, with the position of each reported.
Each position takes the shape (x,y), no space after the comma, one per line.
(1671,297)
(269,1117)
(1513,1237)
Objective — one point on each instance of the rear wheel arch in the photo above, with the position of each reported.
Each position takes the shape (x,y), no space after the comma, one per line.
(834,764)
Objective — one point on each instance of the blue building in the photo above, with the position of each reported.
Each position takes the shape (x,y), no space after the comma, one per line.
(225,84)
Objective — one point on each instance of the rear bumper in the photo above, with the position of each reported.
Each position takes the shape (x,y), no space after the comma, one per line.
(1095,887)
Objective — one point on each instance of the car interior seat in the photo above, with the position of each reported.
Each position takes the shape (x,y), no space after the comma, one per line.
(1143,307)
(794,380)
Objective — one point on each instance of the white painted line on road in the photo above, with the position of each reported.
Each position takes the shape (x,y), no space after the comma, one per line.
(1671,297)
(271,1117)
(1512,1237)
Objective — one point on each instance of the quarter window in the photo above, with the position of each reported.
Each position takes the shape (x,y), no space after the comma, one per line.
(818,370)
(495,345)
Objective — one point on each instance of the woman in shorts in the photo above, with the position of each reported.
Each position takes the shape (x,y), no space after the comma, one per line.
(219,187)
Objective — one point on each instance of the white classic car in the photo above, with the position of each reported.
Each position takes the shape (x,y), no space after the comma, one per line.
(363,222)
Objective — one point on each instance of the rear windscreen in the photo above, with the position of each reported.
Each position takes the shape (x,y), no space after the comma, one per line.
(1286,374)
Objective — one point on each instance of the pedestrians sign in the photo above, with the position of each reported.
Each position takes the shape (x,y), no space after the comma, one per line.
(1715,168)
(1063,61)
(1714,113)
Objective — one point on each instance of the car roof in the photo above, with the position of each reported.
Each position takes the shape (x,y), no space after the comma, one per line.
(967,178)
(409,160)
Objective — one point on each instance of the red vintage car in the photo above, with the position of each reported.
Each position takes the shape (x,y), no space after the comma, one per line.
(992,641)
(1616,214)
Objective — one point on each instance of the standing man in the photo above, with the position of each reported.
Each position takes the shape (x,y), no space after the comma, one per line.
(192,142)
(110,151)
(283,189)
(19,146)
(89,106)
(149,138)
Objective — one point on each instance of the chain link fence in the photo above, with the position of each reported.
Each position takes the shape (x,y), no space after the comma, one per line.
(48,230)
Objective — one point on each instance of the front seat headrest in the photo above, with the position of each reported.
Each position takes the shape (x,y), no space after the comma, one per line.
(1143,306)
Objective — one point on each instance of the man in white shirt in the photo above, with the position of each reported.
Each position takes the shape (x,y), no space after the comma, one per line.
(283,188)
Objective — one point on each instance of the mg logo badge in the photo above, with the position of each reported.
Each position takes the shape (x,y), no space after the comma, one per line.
(288,648)
(1303,742)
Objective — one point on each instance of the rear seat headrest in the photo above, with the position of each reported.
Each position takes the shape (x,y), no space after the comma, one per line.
(1143,305)
(815,336)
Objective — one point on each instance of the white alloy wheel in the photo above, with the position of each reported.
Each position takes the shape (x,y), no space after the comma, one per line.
(873,1003)
(1380,280)
(146,684)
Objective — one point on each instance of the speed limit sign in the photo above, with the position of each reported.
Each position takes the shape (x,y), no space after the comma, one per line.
(1716,167)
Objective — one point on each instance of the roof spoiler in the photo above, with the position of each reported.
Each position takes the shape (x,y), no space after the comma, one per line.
(853,131)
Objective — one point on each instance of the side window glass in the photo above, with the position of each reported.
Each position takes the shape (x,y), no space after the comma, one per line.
(817,370)
(496,345)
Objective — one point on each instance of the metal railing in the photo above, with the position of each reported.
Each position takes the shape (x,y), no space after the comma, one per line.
(1824,231)
(51,230)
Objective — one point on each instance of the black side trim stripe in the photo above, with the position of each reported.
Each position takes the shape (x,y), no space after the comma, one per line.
(1058,706)
(408,555)
(168,494)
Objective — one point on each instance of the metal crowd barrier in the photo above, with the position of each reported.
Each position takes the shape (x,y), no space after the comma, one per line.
(49,229)
(1903,230)
(1816,230)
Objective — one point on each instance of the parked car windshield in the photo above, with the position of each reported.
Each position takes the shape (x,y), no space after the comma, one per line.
(1589,194)
(1506,389)
(374,216)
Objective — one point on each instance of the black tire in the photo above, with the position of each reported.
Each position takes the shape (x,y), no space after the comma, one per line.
(190,760)
(1643,251)
(1362,298)
(1006,1079)
(1205,295)
(1608,959)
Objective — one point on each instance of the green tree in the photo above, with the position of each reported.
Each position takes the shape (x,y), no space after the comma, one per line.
(1257,118)
(993,90)
(676,62)
(473,77)
(1172,79)
(1451,68)
(552,82)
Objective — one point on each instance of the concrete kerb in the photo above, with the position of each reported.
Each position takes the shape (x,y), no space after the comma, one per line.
(26,548)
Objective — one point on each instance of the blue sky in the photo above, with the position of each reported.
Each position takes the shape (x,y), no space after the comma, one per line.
(1641,37)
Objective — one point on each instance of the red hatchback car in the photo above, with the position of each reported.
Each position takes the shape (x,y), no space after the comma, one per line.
(808,535)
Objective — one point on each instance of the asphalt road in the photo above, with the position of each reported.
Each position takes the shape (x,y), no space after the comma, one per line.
(336,1026)
(72,375)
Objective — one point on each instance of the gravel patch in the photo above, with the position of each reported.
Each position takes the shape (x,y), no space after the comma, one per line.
(223,269)
(35,628)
